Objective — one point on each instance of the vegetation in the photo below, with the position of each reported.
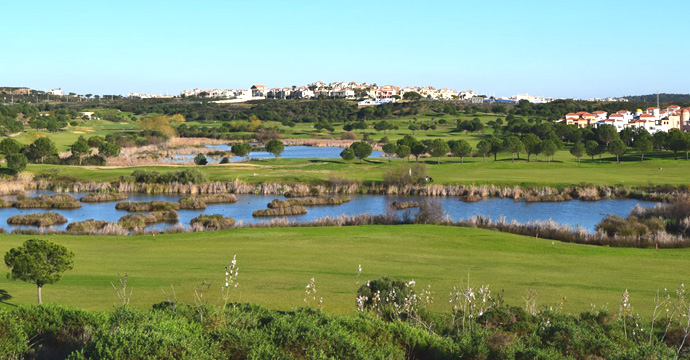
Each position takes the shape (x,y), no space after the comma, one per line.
(103,197)
(37,219)
(58,201)
(139,221)
(281,211)
(213,222)
(89,226)
(38,262)
(309,201)
(404,205)
(147,206)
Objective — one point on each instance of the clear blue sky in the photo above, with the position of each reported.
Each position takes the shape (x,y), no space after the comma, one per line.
(574,49)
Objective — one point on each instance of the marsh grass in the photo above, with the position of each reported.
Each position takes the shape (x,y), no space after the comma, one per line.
(103,197)
(309,201)
(57,201)
(404,205)
(147,206)
(281,211)
(213,222)
(37,219)
(139,221)
(89,226)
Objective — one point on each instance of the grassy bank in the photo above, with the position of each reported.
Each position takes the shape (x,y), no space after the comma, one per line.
(564,172)
(276,264)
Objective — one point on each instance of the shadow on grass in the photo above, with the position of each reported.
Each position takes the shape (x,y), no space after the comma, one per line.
(4,297)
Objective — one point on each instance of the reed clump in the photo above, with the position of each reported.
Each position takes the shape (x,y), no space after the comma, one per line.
(213,222)
(135,221)
(103,197)
(404,205)
(6,203)
(192,203)
(147,206)
(217,198)
(58,201)
(283,211)
(37,219)
(309,201)
(89,226)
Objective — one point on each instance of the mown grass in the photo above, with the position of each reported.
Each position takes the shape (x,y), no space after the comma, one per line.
(565,171)
(276,264)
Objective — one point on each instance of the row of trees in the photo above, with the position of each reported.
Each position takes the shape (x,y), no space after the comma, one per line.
(42,150)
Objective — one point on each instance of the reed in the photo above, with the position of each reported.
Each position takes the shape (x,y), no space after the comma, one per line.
(404,205)
(284,211)
(58,201)
(192,203)
(6,203)
(147,206)
(89,226)
(309,201)
(103,197)
(37,219)
(217,198)
(139,221)
(213,222)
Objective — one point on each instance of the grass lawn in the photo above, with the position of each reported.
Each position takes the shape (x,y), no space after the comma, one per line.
(63,139)
(564,171)
(276,264)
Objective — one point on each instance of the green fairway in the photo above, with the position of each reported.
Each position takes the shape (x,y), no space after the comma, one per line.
(276,264)
(564,172)
(63,139)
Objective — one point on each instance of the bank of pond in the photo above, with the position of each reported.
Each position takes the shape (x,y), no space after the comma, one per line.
(161,212)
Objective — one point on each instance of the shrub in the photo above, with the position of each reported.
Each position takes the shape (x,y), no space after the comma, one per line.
(186,176)
(430,212)
(135,221)
(89,226)
(403,175)
(200,159)
(191,203)
(404,205)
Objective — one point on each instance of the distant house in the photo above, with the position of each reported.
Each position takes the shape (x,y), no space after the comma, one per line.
(259,91)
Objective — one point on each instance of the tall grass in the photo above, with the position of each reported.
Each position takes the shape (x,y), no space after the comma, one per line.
(281,211)
(147,206)
(58,201)
(37,219)
(139,221)
(103,197)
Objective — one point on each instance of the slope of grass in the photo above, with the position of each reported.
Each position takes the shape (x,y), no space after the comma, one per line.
(276,264)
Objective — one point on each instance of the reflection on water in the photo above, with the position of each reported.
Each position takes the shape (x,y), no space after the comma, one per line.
(573,213)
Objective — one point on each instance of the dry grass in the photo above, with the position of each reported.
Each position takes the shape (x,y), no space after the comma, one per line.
(103,197)
(308,201)
(37,219)
(57,201)
(283,211)
(139,221)
(213,222)
(147,206)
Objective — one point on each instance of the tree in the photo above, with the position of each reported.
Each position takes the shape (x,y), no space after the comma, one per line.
(403,152)
(618,148)
(607,133)
(390,149)
(347,154)
(275,147)
(592,148)
(412,95)
(483,147)
(496,146)
(577,151)
(532,145)
(549,148)
(417,149)
(79,149)
(643,145)
(108,149)
(17,162)
(678,141)
(10,146)
(477,125)
(460,148)
(438,148)
(361,149)
(413,128)
(41,148)
(242,149)
(514,146)
(39,262)
(95,141)
(200,159)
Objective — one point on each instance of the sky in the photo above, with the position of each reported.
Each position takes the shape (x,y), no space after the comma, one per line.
(575,49)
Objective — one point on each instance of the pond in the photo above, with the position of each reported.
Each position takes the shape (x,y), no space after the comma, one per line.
(290,152)
(573,213)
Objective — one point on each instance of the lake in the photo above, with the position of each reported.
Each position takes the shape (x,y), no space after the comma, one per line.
(291,152)
(573,213)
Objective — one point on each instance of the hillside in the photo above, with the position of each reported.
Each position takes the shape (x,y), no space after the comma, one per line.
(664,98)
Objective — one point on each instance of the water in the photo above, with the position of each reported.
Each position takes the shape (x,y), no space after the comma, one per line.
(573,213)
(291,152)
